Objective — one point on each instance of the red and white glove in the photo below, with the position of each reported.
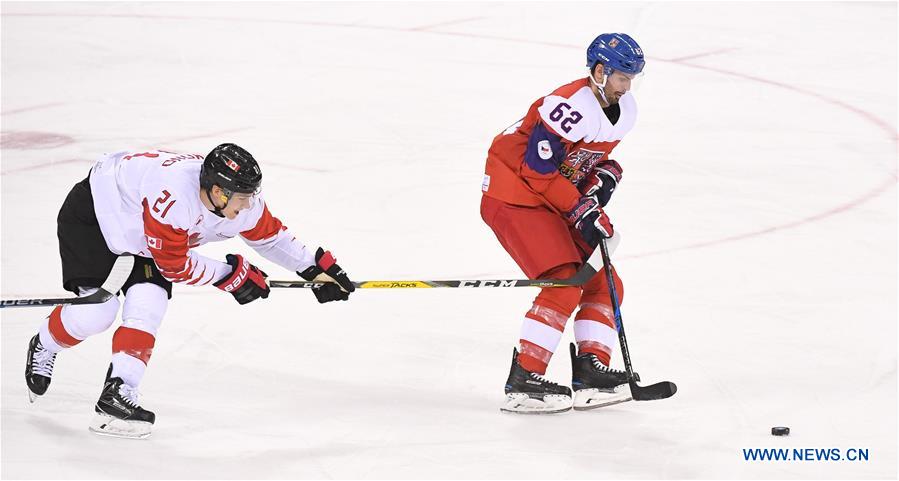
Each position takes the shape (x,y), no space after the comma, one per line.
(605,178)
(590,220)
(246,281)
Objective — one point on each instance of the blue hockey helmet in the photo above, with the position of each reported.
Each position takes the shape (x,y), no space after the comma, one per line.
(616,51)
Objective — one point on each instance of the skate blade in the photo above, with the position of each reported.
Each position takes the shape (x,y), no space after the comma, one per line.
(587,399)
(109,426)
(32,397)
(520,403)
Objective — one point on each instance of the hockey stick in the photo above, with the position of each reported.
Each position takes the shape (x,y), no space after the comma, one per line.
(586,272)
(120,272)
(661,390)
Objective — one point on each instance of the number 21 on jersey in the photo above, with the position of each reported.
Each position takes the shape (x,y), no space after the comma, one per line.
(166,204)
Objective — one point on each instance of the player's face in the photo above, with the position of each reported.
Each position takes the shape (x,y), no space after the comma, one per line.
(617,85)
(237,203)
(232,206)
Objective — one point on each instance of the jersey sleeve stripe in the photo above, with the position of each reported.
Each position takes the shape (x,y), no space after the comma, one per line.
(267,226)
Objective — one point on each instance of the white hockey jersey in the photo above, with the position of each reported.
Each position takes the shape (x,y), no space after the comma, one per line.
(148,204)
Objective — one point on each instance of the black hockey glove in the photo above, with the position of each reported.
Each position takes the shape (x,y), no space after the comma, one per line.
(337,285)
(246,281)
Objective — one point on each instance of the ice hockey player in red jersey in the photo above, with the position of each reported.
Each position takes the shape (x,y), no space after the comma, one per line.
(548,179)
(158,206)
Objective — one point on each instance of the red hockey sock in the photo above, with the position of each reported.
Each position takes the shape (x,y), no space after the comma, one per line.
(134,343)
(545,321)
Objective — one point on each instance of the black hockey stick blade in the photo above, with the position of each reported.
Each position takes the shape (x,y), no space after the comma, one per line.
(120,272)
(659,390)
(582,276)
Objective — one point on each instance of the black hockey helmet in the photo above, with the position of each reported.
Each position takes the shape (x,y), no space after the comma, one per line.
(232,168)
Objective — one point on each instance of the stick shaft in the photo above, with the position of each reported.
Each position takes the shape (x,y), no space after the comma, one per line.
(616,308)
(583,275)
(429,284)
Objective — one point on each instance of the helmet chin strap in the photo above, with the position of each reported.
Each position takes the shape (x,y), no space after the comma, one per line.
(217,210)
(601,87)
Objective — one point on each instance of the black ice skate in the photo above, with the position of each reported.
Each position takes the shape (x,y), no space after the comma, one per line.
(119,413)
(596,385)
(38,368)
(530,393)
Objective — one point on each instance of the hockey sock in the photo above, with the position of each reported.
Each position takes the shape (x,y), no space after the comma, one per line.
(130,369)
(540,335)
(594,324)
(594,331)
(544,323)
(54,336)
(131,351)
(70,324)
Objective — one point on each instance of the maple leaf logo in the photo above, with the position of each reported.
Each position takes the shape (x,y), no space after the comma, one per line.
(193,240)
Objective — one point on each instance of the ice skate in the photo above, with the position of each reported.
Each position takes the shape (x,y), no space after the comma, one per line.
(38,368)
(530,393)
(595,385)
(119,414)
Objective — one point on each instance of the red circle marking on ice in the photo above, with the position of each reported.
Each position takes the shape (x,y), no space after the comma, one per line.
(866,115)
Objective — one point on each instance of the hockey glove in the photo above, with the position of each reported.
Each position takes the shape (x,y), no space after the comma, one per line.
(337,285)
(590,220)
(246,281)
(607,175)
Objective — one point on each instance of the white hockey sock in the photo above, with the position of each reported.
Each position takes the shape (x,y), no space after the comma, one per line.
(47,340)
(129,368)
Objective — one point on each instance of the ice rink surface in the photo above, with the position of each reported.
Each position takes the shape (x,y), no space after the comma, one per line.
(758,212)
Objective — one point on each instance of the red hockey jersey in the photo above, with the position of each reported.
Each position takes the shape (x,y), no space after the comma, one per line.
(544,158)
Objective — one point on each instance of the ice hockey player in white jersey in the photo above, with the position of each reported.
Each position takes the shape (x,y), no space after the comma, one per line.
(158,206)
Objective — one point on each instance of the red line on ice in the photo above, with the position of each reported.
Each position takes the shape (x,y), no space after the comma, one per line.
(702,54)
(443,24)
(201,136)
(882,124)
(41,166)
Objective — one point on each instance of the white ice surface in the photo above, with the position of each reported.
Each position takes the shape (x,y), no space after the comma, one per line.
(758,211)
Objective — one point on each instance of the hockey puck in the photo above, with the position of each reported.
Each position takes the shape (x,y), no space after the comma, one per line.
(780,431)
